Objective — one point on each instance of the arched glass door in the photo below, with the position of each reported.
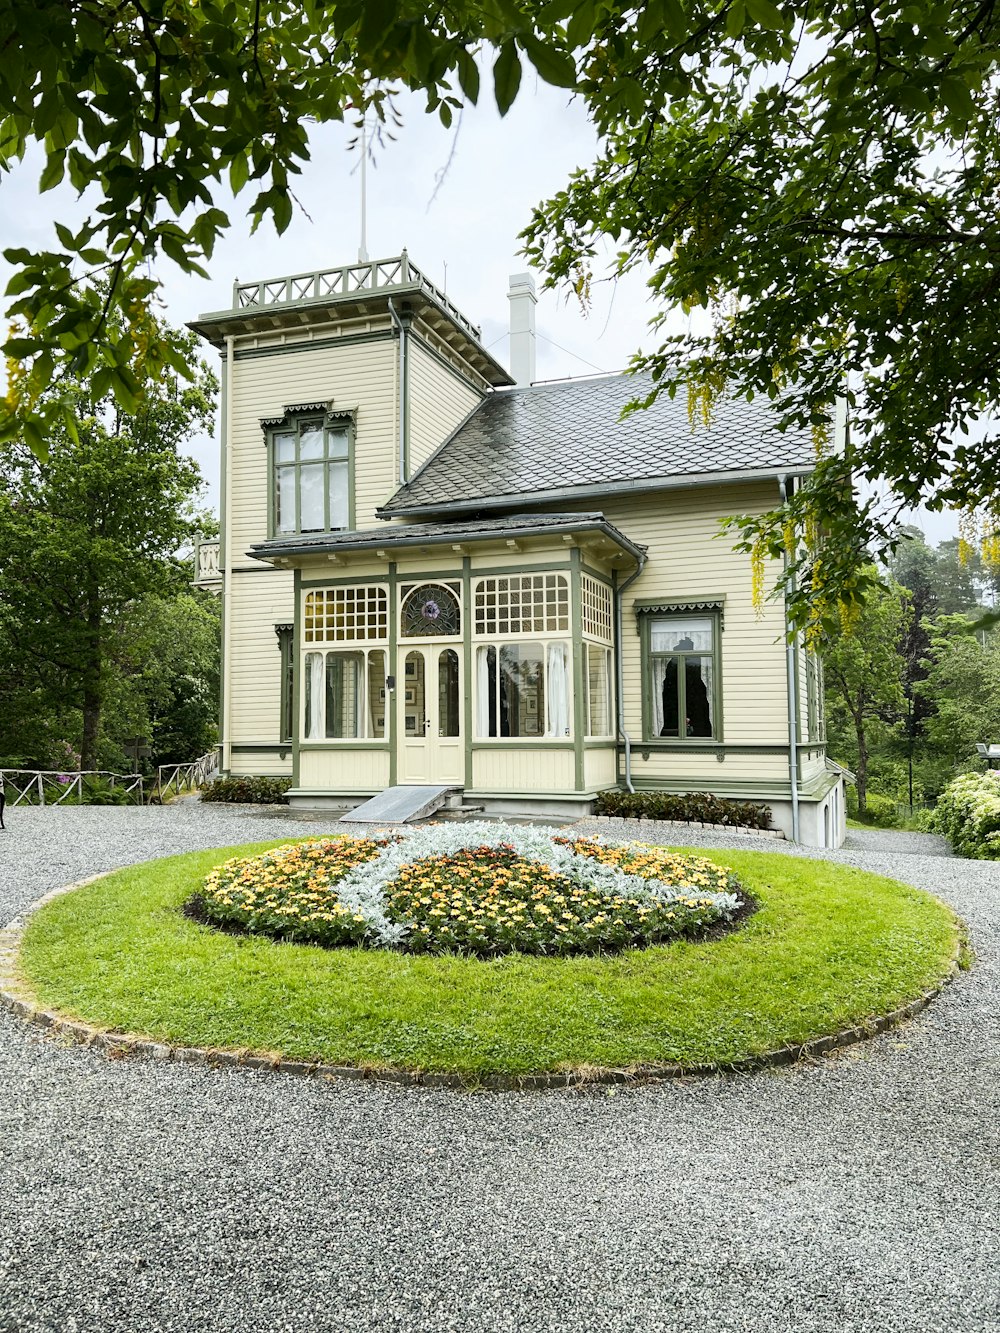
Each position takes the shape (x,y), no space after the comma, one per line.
(429,689)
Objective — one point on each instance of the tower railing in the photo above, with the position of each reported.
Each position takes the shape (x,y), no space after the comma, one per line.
(375,275)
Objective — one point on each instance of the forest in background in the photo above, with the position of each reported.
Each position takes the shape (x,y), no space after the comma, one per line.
(102,637)
(910,688)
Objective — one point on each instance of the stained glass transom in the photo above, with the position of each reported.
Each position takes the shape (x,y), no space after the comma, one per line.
(523,604)
(429,611)
(596,598)
(341,615)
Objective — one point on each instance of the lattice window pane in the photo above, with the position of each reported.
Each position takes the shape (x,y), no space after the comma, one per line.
(522,604)
(597,609)
(341,615)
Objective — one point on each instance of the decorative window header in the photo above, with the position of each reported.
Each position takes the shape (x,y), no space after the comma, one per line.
(330,413)
(681,607)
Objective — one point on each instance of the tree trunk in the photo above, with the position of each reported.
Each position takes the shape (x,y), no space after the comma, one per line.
(92,692)
(862,773)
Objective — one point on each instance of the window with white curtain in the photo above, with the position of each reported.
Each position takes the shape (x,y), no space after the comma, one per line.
(682,675)
(523,690)
(345,695)
(597,680)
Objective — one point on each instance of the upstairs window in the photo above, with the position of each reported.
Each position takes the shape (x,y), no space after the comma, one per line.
(310,459)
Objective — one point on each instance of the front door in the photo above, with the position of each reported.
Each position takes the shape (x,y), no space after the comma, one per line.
(429,718)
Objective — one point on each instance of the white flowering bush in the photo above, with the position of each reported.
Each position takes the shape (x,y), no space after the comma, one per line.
(475,888)
(968,814)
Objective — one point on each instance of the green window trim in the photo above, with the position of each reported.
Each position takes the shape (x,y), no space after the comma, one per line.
(286,716)
(657,612)
(308,442)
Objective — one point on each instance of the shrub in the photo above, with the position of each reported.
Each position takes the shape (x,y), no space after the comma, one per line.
(881,810)
(968,814)
(698,807)
(471,889)
(248,791)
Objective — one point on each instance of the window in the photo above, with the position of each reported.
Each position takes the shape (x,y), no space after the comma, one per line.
(345,695)
(522,689)
(814,697)
(681,673)
(310,464)
(596,609)
(430,610)
(337,615)
(597,679)
(522,604)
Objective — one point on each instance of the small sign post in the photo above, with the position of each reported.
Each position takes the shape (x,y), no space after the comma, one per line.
(137,748)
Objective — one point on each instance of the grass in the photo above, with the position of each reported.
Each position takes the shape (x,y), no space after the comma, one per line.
(829,947)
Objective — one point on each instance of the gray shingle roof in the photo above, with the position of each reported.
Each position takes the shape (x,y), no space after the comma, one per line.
(567,439)
(419,534)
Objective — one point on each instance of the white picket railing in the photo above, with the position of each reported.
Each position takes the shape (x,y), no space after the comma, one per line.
(40,786)
(172,779)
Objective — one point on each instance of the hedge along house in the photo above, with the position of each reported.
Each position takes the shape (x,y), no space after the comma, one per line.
(437,572)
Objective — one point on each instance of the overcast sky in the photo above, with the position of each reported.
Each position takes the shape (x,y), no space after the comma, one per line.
(455,199)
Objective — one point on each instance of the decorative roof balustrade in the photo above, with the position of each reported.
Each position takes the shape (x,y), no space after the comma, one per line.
(349,280)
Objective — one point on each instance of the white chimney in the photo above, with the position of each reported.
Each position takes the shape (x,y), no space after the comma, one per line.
(522,300)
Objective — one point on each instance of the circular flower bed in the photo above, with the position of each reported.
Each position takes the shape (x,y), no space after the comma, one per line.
(473,888)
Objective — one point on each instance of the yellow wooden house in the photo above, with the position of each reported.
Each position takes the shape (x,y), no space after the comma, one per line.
(438,572)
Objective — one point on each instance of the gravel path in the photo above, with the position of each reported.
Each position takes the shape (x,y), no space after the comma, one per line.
(857,1194)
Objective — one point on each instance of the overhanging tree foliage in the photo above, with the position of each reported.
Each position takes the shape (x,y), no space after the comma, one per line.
(153,102)
(825,178)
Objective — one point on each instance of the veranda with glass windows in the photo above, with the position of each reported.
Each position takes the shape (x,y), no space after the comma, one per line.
(500,683)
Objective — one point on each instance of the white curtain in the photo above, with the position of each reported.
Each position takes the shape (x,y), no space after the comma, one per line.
(315,680)
(557,691)
(483,685)
(375,683)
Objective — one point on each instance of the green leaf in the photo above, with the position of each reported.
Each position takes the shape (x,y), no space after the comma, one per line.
(957,98)
(239,172)
(553,65)
(55,169)
(766,15)
(506,76)
(468,75)
(736,18)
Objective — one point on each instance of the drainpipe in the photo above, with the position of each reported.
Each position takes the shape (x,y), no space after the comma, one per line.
(225,554)
(620,670)
(402,324)
(791,657)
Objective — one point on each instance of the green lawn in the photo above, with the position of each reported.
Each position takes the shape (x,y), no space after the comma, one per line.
(829,947)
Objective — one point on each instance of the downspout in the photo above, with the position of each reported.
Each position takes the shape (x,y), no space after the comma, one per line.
(620,670)
(227,572)
(791,657)
(403,390)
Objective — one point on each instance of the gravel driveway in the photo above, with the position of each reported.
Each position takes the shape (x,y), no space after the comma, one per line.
(859,1193)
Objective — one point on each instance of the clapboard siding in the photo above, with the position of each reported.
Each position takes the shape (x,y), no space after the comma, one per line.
(359,377)
(258,602)
(688,559)
(439,399)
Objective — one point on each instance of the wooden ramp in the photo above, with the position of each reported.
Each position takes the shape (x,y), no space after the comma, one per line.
(400,805)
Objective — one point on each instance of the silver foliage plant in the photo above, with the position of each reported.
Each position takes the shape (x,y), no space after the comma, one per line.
(363,888)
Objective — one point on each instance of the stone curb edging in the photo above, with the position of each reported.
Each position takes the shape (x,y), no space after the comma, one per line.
(117,1045)
(655,824)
